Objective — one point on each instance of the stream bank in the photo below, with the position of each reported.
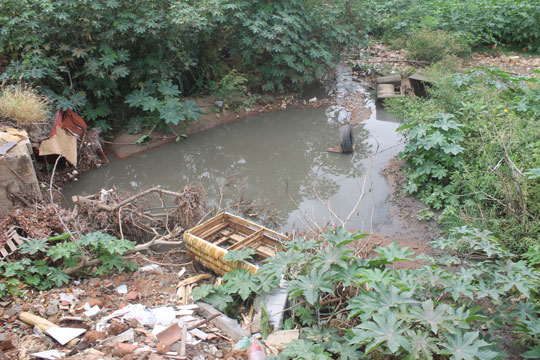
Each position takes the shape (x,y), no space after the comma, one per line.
(274,168)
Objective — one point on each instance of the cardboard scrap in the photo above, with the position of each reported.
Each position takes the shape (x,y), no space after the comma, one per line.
(60,143)
(11,134)
(49,354)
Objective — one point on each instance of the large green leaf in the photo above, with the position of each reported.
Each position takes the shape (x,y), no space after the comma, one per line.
(466,346)
(311,285)
(430,315)
(385,328)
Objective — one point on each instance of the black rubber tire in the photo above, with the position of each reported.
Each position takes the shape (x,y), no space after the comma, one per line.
(346,137)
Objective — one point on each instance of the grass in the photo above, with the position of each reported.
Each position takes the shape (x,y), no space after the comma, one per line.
(23,105)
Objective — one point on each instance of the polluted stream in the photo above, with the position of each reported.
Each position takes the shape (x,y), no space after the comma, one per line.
(276,161)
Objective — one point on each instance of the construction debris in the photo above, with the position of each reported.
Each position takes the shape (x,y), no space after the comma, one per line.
(154,324)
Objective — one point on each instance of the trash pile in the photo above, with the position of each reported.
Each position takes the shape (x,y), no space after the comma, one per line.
(136,316)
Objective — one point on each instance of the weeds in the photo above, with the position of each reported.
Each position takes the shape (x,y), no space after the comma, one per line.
(438,310)
(23,105)
(482,172)
(434,45)
(46,260)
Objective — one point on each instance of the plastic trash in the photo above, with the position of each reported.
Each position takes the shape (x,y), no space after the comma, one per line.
(255,351)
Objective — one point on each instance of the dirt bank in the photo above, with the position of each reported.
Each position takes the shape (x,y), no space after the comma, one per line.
(124,144)
(404,209)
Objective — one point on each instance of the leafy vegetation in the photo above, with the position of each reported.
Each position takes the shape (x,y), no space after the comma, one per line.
(45,260)
(452,307)
(100,56)
(472,152)
(434,45)
(479,22)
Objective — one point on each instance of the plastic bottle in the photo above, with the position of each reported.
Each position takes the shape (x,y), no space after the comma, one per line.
(255,352)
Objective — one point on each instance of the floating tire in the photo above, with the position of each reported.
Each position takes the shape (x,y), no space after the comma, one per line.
(346,137)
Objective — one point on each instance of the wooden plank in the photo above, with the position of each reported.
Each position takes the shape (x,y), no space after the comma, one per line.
(227,232)
(17,239)
(237,237)
(4,252)
(392,79)
(11,245)
(264,252)
(222,240)
(208,223)
(249,224)
(258,235)
(213,230)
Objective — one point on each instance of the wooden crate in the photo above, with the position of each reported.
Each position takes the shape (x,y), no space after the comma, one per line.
(208,242)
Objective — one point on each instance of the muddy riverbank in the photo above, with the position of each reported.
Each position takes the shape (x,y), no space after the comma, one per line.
(274,167)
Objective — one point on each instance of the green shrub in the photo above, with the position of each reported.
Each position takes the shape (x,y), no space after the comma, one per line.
(491,183)
(44,261)
(480,22)
(452,307)
(232,87)
(91,55)
(434,45)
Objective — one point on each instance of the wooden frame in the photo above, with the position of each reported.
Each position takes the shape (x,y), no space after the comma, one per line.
(208,242)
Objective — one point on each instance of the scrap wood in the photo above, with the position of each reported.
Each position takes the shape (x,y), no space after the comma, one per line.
(61,334)
(183,342)
(193,279)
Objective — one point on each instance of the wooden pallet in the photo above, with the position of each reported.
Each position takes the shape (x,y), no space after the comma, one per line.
(12,244)
(208,242)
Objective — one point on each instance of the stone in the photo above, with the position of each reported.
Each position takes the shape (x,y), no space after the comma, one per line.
(3,336)
(18,158)
(132,295)
(91,302)
(162,348)
(126,336)
(122,349)
(92,336)
(52,309)
(175,347)
(6,345)
(229,326)
(14,310)
(117,327)
(155,357)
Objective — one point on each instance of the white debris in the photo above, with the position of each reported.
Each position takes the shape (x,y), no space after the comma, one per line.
(122,289)
(150,267)
(91,311)
(67,298)
(49,354)
(182,272)
(140,313)
(164,315)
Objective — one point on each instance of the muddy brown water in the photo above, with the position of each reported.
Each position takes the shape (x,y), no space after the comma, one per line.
(276,160)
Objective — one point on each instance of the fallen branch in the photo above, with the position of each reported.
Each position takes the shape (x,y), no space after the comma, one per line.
(89,201)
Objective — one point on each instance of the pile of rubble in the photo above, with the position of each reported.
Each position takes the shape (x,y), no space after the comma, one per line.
(135,316)
(382,59)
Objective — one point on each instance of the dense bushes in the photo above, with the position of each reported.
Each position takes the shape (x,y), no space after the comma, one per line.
(473,151)
(480,21)
(434,45)
(476,301)
(92,54)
